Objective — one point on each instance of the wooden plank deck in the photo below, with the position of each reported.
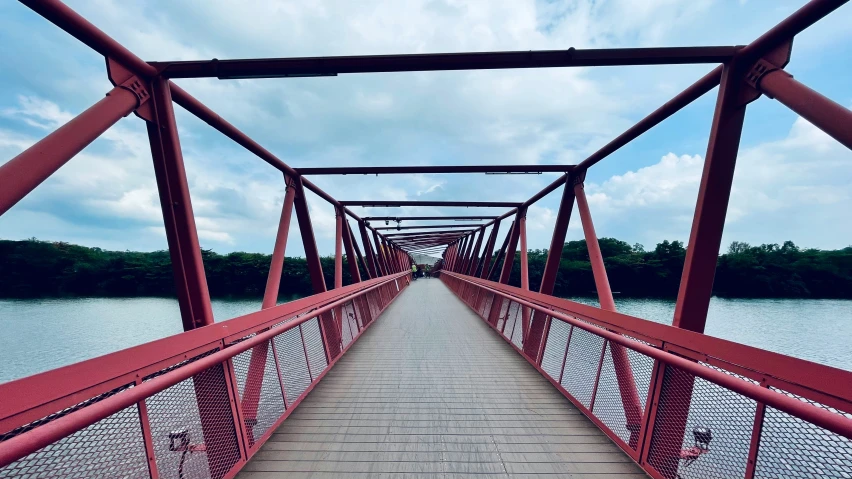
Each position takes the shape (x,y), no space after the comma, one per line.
(430,391)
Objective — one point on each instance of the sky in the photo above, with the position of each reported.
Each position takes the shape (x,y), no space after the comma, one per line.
(792,181)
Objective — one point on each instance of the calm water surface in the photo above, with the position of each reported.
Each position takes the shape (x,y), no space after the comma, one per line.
(39,335)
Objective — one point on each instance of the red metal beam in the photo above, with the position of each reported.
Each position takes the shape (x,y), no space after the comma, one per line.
(502,252)
(353,254)
(435,169)
(512,247)
(328,66)
(474,258)
(338,248)
(489,249)
(181,233)
(276,264)
(825,114)
(426,218)
(23,173)
(372,263)
(460,225)
(714,192)
(467,204)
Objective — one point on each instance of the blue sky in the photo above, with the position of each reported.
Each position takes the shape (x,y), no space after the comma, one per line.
(792,181)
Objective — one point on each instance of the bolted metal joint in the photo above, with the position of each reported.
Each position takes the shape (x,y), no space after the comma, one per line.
(758,71)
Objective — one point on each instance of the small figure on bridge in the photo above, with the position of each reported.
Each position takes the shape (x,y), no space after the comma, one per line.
(413,271)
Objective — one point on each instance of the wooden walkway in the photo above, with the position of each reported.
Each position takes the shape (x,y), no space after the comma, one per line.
(430,391)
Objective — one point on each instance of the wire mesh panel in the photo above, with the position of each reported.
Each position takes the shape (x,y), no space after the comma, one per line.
(263,401)
(485,305)
(581,365)
(554,348)
(501,305)
(635,379)
(194,412)
(688,405)
(792,447)
(313,343)
(517,337)
(291,360)
(112,447)
(342,315)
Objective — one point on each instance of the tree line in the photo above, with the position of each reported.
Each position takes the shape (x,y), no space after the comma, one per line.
(33,268)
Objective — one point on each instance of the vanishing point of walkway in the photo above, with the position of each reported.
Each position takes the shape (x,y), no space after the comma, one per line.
(430,391)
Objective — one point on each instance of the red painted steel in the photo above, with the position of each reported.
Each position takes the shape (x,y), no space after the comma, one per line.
(30,168)
(827,115)
(276,264)
(325,66)
(511,247)
(32,440)
(353,254)
(181,233)
(621,362)
(706,236)
(434,169)
(733,362)
(229,416)
(426,227)
(489,249)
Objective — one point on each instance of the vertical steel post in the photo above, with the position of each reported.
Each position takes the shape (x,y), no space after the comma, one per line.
(540,325)
(620,360)
(338,248)
(489,250)
(211,393)
(380,252)
(705,238)
(368,250)
(512,246)
(696,284)
(525,276)
(465,253)
(181,233)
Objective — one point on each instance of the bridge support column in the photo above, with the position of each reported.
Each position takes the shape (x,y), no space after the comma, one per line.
(620,359)
(338,248)
(190,281)
(699,269)
(540,325)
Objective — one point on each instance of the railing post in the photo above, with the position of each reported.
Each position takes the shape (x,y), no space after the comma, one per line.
(368,250)
(489,250)
(525,276)
(212,397)
(512,247)
(620,359)
(540,325)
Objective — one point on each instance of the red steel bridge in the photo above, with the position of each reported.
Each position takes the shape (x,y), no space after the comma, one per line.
(465,376)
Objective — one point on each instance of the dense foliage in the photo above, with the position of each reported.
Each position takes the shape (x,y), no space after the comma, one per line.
(763,271)
(37,268)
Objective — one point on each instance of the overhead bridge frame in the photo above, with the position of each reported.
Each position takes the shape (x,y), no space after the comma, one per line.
(471,256)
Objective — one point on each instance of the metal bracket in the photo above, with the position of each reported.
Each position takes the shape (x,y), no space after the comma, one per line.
(124,78)
(577,178)
(773,61)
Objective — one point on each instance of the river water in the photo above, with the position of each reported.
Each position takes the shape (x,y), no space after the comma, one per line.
(39,335)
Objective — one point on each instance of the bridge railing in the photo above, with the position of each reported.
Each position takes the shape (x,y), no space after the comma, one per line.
(184,406)
(746,412)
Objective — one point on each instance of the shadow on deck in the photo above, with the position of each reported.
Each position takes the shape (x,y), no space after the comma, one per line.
(430,391)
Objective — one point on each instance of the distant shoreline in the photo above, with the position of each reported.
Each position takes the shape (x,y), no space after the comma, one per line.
(41,269)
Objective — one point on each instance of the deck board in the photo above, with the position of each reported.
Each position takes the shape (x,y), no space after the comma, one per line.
(430,391)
